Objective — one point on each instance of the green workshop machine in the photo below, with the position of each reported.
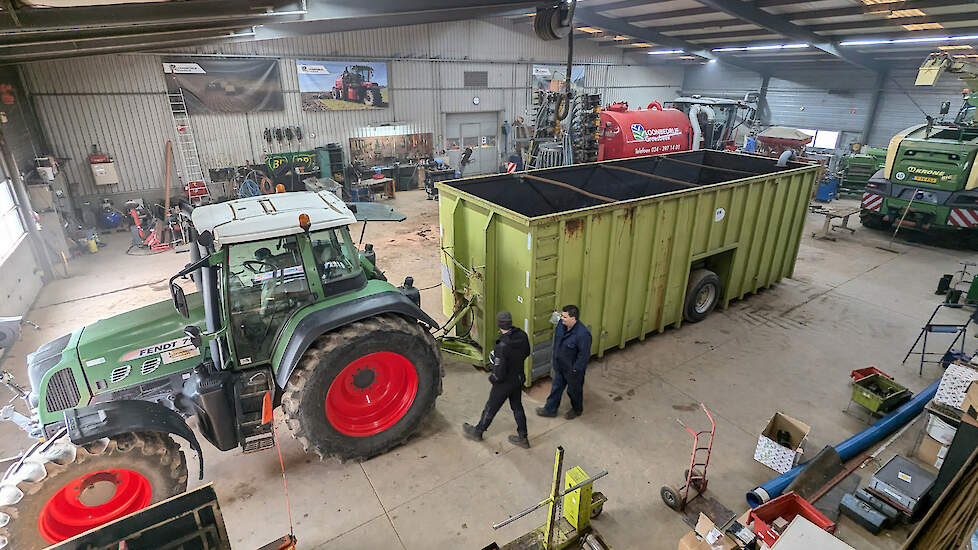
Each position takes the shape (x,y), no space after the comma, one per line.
(929,182)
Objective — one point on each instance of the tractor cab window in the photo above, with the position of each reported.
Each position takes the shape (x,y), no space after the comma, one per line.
(337,259)
(266,282)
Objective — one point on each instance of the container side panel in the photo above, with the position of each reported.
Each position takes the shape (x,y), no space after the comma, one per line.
(758,233)
(739,216)
(787,229)
(677,249)
(639,272)
(508,282)
(775,229)
(807,184)
(600,228)
(616,278)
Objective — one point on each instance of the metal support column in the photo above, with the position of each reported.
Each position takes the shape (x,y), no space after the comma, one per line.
(35,240)
(874,104)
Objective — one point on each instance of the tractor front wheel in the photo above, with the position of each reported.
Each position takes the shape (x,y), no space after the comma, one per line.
(363,389)
(60,490)
(372,97)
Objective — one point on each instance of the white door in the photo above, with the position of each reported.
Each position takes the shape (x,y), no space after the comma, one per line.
(478,131)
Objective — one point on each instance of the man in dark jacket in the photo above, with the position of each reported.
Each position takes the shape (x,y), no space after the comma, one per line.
(572,349)
(512,348)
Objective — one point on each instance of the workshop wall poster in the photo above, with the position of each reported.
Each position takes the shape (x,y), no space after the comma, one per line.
(342,85)
(226,85)
(551,77)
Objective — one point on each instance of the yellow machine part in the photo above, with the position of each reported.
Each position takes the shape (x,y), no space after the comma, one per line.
(577,503)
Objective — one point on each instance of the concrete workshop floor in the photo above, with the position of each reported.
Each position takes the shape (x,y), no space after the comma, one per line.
(789,348)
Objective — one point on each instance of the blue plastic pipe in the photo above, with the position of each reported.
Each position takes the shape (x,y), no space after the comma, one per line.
(851,447)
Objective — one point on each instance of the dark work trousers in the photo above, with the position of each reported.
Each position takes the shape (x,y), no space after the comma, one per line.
(497,396)
(574,382)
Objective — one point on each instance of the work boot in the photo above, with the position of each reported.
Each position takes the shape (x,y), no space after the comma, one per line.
(520,441)
(542,411)
(572,414)
(471,432)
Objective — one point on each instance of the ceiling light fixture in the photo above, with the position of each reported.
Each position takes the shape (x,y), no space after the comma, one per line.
(664,52)
(762,47)
(908,40)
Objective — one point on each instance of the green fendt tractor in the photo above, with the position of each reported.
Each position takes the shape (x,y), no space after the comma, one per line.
(287,308)
(930,180)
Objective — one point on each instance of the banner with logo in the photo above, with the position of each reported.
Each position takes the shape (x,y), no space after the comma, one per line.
(225,85)
(551,77)
(342,85)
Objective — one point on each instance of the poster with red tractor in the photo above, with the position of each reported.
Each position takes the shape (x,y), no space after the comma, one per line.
(342,85)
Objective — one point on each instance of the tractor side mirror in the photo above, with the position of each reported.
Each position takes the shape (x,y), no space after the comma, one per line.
(193,333)
(206,239)
(945,107)
(179,299)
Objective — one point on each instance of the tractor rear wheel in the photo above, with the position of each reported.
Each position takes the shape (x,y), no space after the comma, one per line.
(363,389)
(372,97)
(60,490)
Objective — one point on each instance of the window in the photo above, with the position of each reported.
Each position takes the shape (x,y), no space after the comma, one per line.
(11,226)
(266,283)
(336,256)
(475,79)
(824,139)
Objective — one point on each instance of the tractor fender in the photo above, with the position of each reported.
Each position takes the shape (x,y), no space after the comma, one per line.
(312,326)
(88,424)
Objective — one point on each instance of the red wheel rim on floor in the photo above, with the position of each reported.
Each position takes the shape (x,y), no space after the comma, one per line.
(65,514)
(371,394)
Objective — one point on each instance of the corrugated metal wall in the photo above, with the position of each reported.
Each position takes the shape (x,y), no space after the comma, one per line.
(119,101)
(836,98)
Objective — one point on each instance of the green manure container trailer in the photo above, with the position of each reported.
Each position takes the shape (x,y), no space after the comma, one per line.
(637,244)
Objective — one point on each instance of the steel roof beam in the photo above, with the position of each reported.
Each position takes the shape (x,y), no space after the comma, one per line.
(87,18)
(775,23)
(590,17)
(872,9)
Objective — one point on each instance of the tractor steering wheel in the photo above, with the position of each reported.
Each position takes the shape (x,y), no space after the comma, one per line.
(258,266)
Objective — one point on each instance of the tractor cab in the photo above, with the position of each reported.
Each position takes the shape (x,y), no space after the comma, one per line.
(270,256)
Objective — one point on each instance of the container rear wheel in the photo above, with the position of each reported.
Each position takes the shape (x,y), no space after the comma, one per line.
(61,490)
(702,295)
(363,389)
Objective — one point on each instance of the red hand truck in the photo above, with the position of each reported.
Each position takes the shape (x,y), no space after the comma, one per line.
(695,478)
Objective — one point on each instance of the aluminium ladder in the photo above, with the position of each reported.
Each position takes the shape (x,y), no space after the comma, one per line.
(187,146)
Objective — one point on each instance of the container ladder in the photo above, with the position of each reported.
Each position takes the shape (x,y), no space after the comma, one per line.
(196,186)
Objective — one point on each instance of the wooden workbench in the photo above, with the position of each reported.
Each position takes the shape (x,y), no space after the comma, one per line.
(388,183)
(830,214)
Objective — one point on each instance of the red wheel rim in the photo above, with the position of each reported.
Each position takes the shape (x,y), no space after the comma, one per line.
(371,394)
(92,500)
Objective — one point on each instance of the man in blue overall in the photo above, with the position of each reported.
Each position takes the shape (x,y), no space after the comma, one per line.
(572,349)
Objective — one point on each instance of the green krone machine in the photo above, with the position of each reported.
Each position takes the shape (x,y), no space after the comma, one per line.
(929,182)
(857,168)
(289,314)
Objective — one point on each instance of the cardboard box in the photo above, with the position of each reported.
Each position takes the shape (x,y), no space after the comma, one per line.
(802,534)
(777,457)
(707,536)
(932,452)
(954,384)
(970,403)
